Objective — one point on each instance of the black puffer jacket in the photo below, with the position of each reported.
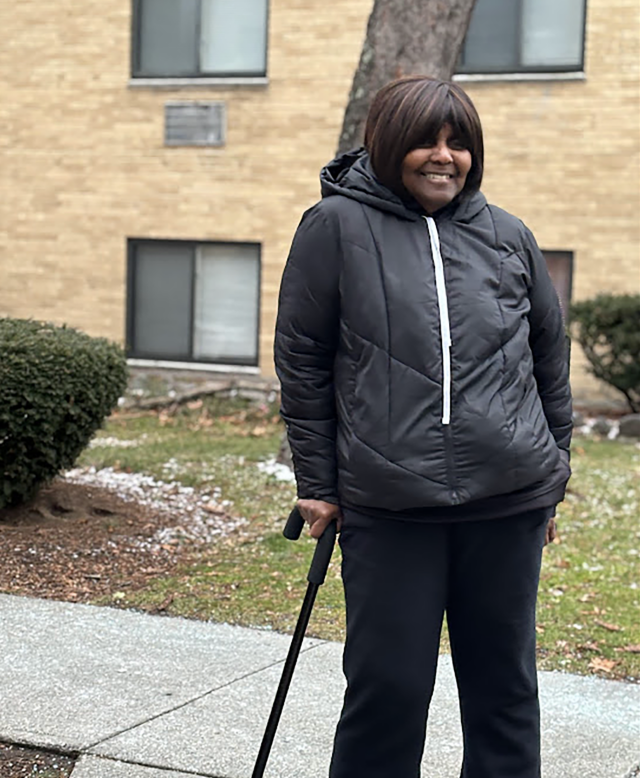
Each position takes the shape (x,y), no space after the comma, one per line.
(380,411)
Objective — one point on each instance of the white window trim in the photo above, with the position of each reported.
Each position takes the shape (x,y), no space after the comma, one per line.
(208,367)
(571,75)
(180,83)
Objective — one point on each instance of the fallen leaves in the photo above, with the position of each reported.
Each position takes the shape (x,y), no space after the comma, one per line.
(162,607)
(591,645)
(608,626)
(603,665)
(165,418)
(215,508)
(203,421)
(595,612)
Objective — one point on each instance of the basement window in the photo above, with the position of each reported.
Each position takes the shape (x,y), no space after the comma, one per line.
(193,302)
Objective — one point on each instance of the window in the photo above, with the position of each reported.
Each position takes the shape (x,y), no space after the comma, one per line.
(560,267)
(193,301)
(513,36)
(198,38)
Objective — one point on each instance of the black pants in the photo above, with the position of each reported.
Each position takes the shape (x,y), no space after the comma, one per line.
(400,578)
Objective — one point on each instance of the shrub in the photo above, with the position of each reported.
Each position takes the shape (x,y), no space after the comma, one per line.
(608,329)
(57,385)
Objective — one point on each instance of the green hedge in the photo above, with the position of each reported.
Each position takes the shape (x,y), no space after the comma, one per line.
(57,385)
(608,329)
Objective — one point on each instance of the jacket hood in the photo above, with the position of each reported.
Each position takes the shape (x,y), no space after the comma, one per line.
(351,175)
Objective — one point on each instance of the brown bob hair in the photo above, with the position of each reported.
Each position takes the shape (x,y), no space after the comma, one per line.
(409,112)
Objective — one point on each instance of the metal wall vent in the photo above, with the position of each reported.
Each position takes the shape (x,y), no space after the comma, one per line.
(194,124)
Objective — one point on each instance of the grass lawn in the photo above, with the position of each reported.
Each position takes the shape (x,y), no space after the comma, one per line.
(589,594)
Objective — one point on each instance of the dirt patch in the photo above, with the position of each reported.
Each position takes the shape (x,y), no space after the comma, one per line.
(19,762)
(80,541)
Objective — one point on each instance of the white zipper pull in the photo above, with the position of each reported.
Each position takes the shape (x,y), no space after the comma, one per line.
(445,328)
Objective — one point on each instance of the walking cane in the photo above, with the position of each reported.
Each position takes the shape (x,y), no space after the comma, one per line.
(316,576)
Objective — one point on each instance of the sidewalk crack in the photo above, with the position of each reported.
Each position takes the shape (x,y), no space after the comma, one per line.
(88,749)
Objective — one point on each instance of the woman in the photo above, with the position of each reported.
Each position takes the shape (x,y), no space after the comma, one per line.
(424,372)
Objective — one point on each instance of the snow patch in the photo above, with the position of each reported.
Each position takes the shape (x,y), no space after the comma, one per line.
(199,517)
(115,442)
(279,471)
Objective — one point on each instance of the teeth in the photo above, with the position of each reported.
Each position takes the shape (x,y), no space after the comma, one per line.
(437,176)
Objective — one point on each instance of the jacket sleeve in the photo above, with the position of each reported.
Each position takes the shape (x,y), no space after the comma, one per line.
(306,339)
(550,348)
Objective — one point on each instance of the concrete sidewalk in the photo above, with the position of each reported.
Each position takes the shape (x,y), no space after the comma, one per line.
(153,697)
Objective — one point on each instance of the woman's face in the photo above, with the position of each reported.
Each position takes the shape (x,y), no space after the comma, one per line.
(434,174)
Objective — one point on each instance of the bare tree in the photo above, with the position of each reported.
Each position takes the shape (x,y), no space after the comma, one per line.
(403,37)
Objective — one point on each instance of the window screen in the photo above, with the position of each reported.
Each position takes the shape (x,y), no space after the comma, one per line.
(552,32)
(226,310)
(233,36)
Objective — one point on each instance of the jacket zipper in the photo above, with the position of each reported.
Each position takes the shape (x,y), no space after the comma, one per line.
(445,329)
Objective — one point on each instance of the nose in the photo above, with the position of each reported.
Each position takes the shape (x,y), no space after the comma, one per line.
(442,153)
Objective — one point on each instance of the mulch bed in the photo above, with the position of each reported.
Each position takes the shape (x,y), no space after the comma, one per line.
(78,542)
(19,762)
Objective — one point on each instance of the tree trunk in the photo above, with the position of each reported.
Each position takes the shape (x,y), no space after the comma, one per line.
(403,37)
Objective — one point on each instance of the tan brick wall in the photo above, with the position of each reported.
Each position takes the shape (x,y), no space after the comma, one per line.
(83,164)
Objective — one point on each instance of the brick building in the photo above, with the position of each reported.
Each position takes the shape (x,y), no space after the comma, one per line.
(156,155)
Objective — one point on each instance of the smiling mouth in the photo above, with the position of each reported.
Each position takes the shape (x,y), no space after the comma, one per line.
(438,176)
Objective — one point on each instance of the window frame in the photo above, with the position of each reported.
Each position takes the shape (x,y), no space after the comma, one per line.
(527,69)
(132,353)
(136,48)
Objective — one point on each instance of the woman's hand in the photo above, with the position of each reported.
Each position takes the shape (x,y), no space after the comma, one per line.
(319,514)
(552,532)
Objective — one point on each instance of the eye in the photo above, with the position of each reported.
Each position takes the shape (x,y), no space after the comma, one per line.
(457,144)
